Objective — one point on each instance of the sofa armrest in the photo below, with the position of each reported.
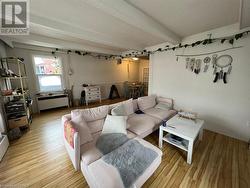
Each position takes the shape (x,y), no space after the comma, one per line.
(65,118)
(73,151)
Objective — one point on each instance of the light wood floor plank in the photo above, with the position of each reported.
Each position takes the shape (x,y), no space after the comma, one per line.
(39,159)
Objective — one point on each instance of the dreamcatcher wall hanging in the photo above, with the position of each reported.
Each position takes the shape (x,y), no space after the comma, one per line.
(222,68)
(221,64)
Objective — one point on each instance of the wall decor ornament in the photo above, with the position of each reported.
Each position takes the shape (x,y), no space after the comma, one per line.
(145,52)
(206,62)
(222,68)
(194,65)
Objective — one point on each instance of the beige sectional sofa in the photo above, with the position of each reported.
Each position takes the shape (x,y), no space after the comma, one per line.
(89,159)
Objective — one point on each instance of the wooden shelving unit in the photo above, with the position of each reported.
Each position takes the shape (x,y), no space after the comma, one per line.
(17,105)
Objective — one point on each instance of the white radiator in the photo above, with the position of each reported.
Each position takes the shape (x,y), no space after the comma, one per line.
(52,101)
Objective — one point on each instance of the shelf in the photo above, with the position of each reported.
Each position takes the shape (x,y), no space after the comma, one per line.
(12,60)
(10,87)
(19,112)
(16,95)
(183,145)
(13,78)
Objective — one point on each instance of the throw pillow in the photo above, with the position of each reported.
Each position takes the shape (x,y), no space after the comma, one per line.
(69,132)
(128,106)
(163,106)
(168,101)
(135,105)
(146,102)
(91,114)
(115,124)
(119,111)
(81,127)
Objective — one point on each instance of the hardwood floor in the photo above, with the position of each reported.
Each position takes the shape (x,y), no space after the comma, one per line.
(39,159)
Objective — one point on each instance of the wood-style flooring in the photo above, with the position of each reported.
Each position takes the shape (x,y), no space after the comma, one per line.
(39,159)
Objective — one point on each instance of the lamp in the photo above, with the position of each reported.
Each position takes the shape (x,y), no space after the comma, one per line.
(135,58)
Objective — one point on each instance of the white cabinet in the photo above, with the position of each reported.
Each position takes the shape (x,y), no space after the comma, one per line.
(92,93)
(52,101)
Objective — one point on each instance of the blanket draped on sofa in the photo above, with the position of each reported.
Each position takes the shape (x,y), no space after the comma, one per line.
(129,156)
(109,142)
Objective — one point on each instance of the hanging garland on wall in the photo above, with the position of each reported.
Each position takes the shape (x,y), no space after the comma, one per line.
(230,39)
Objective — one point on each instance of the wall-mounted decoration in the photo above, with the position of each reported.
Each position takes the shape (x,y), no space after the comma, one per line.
(197,68)
(146,52)
(222,67)
(194,65)
(206,61)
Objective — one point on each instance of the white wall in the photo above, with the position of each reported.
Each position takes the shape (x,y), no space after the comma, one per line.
(90,70)
(86,69)
(224,107)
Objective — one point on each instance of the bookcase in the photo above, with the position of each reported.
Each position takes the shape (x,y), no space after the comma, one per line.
(15,98)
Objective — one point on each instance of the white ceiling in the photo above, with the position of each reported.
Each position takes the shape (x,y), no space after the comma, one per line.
(113,26)
(188,17)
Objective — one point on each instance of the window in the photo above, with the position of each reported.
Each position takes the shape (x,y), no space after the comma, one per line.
(48,71)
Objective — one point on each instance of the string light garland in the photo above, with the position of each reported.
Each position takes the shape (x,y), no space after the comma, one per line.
(231,39)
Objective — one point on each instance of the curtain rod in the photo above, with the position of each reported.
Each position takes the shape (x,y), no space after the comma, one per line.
(190,55)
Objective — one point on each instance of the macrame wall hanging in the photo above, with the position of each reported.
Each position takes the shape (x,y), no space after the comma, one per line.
(222,66)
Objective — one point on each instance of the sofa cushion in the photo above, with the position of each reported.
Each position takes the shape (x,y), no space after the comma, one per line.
(128,105)
(119,110)
(163,106)
(83,129)
(91,155)
(165,100)
(95,126)
(101,174)
(91,114)
(160,114)
(141,123)
(135,105)
(111,106)
(115,124)
(146,102)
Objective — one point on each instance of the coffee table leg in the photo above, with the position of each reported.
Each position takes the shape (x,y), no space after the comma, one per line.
(201,134)
(160,137)
(190,151)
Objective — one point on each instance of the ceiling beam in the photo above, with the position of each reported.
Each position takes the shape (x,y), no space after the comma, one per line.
(70,29)
(244,17)
(44,41)
(135,17)
(7,41)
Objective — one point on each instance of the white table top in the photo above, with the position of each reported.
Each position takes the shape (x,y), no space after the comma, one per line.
(185,128)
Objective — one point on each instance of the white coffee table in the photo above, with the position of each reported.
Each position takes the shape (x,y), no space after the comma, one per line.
(184,128)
